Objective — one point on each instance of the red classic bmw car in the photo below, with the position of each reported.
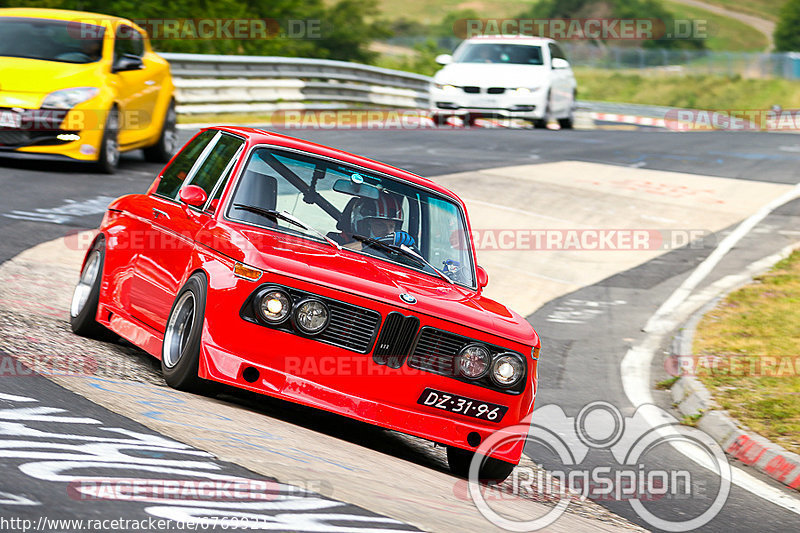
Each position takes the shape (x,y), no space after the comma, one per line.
(313,275)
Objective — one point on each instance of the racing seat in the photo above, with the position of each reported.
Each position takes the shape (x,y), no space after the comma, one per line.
(257,189)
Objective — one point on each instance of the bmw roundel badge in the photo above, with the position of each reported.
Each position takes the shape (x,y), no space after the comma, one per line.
(408,298)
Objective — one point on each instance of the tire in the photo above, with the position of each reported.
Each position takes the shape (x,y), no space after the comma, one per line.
(86,296)
(491,469)
(541,123)
(439,120)
(569,121)
(108,158)
(165,147)
(180,352)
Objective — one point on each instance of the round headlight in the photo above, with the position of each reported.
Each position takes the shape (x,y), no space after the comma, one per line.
(507,370)
(473,361)
(274,306)
(311,316)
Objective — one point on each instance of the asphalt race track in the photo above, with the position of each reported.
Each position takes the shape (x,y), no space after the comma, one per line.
(589,310)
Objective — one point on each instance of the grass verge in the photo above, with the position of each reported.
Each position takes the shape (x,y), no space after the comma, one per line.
(766,9)
(690,91)
(724,33)
(752,338)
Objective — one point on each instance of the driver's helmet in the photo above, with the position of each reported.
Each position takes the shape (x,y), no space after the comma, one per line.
(386,207)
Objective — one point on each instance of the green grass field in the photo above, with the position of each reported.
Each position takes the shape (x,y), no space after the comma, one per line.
(700,92)
(767,9)
(725,33)
(756,333)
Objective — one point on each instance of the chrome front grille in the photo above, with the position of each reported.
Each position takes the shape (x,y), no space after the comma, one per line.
(397,336)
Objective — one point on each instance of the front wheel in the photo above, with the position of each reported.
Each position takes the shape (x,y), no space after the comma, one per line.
(491,469)
(162,151)
(568,122)
(541,123)
(180,352)
(439,120)
(108,158)
(86,297)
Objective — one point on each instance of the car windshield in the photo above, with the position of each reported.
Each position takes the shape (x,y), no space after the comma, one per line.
(51,40)
(354,208)
(517,54)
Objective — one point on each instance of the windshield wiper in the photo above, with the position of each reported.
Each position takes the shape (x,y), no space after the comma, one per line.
(404,250)
(287,217)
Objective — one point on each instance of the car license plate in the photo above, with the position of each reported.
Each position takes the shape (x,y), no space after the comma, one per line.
(462,405)
(10,119)
(485,102)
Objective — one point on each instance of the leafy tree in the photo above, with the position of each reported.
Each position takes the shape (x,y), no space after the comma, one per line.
(618,9)
(307,28)
(787,34)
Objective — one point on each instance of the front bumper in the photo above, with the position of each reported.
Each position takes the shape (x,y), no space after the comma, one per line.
(303,370)
(74,134)
(457,102)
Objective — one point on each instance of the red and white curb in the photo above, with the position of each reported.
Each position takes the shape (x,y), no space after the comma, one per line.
(694,399)
(630,119)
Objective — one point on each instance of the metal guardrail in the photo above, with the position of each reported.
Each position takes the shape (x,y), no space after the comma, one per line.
(246,84)
(241,84)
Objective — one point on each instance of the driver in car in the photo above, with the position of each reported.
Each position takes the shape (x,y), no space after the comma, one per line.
(380,218)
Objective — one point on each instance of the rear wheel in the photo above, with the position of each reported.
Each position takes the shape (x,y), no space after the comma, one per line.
(108,158)
(162,151)
(491,469)
(180,351)
(86,297)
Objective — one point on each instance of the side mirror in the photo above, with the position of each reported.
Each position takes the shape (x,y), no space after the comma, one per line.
(483,277)
(193,195)
(444,59)
(559,63)
(128,62)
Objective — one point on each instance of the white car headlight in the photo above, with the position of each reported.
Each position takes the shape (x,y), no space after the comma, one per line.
(524,90)
(446,87)
(69,98)
(507,370)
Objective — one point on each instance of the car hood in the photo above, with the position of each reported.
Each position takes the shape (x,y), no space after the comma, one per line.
(371,278)
(21,75)
(492,74)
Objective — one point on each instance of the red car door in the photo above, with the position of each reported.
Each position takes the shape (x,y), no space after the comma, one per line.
(167,249)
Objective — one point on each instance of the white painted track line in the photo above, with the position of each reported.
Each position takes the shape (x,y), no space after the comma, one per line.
(635,366)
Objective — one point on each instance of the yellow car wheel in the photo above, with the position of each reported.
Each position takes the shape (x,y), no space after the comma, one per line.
(108,160)
(162,151)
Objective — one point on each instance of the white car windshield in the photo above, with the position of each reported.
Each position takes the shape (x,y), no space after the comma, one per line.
(517,54)
(350,205)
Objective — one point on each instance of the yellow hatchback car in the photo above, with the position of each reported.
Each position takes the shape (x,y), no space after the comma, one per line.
(82,86)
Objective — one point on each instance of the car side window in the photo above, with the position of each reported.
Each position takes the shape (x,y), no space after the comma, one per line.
(176,173)
(556,52)
(128,41)
(217,161)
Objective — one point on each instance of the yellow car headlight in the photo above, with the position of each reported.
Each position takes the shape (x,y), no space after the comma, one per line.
(69,98)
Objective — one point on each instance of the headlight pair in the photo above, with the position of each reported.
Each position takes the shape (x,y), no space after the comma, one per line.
(474,362)
(275,306)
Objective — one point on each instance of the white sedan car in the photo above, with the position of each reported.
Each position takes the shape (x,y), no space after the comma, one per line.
(507,77)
